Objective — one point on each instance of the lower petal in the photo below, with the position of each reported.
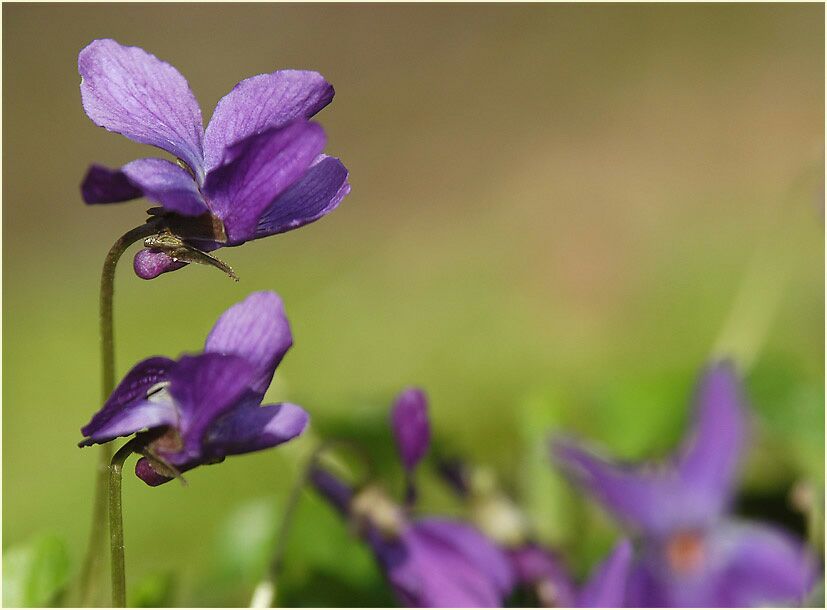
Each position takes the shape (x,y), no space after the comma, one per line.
(168,184)
(253,427)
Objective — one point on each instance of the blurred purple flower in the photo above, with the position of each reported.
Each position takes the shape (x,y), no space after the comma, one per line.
(606,588)
(428,562)
(694,553)
(256,170)
(410,425)
(542,572)
(200,409)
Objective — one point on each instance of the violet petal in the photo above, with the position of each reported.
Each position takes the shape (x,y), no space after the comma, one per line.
(535,566)
(260,103)
(104,185)
(310,198)
(132,92)
(411,428)
(257,330)
(264,167)
(131,392)
(253,427)
(606,587)
(168,184)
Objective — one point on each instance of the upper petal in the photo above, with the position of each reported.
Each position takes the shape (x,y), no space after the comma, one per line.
(263,102)
(410,425)
(314,195)
(205,387)
(709,459)
(263,167)
(104,185)
(253,427)
(168,184)
(606,588)
(125,411)
(132,92)
(257,330)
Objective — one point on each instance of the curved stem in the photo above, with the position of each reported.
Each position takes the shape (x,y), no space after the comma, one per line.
(265,592)
(116,545)
(93,561)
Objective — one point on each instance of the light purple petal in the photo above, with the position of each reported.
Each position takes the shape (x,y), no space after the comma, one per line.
(264,167)
(104,185)
(130,394)
(168,184)
(132,92)
(541,569)
(709,459)
(263,102)
(313,196)
(257,330)
(411,428)
(607,586)
(149,264)
(477,548)
(205,387)
(253,427)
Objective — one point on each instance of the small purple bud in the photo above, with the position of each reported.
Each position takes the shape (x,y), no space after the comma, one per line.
(409,420)
(149,264)
(148,474)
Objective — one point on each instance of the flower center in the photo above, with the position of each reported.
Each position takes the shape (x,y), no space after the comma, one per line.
(685,552)
(371,506)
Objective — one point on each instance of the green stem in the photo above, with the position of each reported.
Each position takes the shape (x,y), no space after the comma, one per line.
(116,545)
(93,562)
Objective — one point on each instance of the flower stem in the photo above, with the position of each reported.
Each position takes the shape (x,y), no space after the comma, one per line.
(93,561)
(116,545)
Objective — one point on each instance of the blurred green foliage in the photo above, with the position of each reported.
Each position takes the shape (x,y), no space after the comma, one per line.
(559,214)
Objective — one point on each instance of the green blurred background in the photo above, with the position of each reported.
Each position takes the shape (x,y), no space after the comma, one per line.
(558,214)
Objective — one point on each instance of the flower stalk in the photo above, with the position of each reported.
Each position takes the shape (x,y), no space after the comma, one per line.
(93,561)
(116,544)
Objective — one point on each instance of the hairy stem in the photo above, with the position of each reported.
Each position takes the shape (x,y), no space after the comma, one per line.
(116,545)
(90,578)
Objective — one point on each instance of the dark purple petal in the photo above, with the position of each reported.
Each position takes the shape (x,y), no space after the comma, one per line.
(411,428)
(541,569)
(205,387)
(168,184)
(147,474)
(257,330)
(137,416)
(316,194)
(607,586)
(149,264)
(253,427)
(263,102)
(709,460)
(334,490)
(116,417)
(104,185)
(264,166)
(132,92)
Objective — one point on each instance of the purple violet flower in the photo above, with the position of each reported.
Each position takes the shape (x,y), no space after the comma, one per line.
(693,552)
(200,409)
(256,170)
(429,562)
(410,425)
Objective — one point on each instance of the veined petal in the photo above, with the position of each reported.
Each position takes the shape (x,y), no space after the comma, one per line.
(606,587)
(263,102)
(116,414)
(168,184)
(205,387)
(253,427)
(104,185)
(263,167)
(709,459)
(310,198)
(132,92)
(257,330)
(410,425)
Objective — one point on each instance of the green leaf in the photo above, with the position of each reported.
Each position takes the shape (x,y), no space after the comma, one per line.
(35,573)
